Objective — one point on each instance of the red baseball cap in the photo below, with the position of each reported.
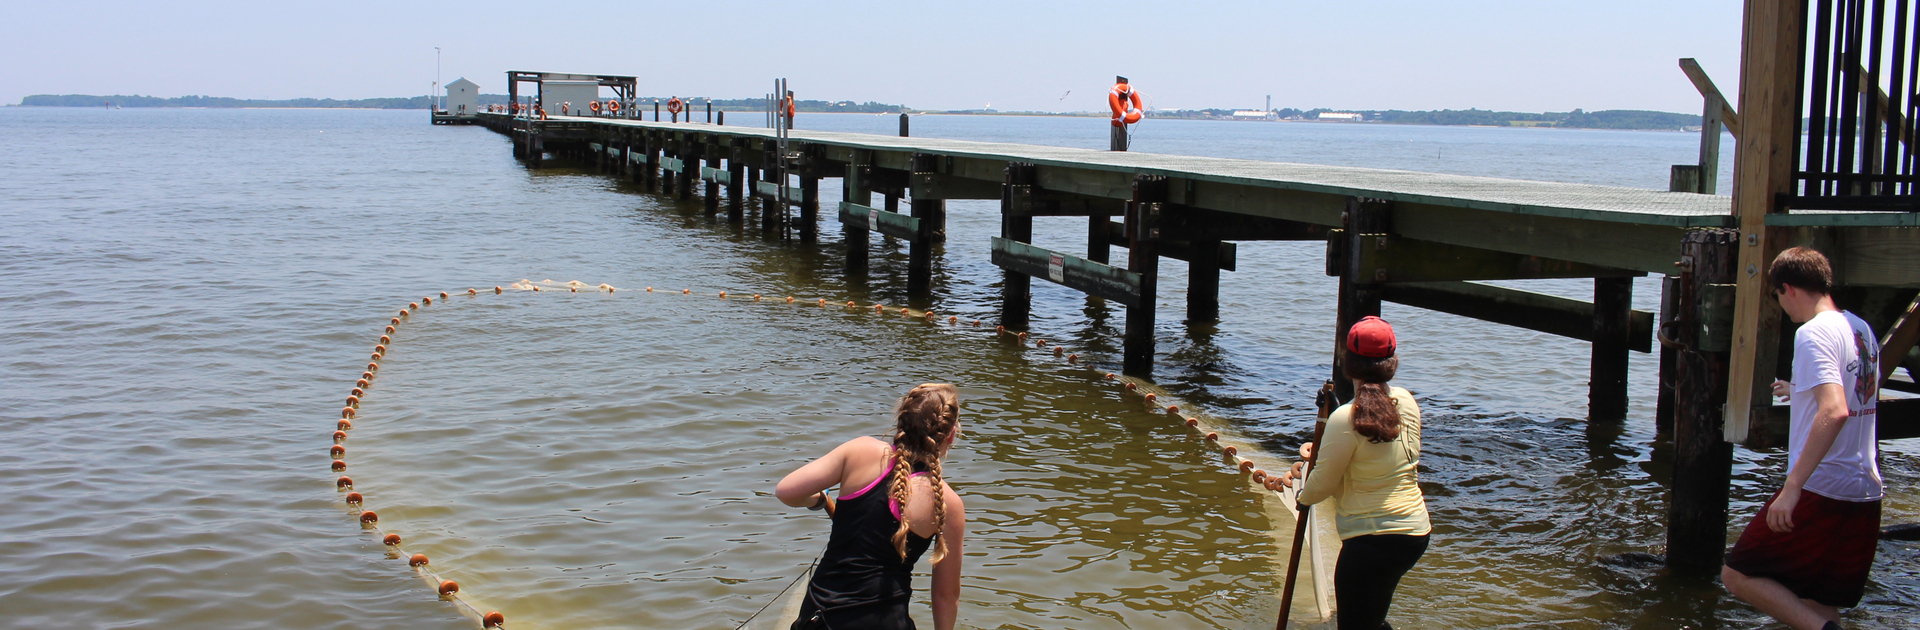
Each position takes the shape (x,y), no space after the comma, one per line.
(1371,337)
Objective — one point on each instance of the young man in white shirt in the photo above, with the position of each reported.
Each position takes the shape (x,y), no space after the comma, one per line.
(1807,553)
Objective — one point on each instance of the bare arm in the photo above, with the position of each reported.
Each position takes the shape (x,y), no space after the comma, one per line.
(1829,417)
(1330,467)
(946,572)
(806,486)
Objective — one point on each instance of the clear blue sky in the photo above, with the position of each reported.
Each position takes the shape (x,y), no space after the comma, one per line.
(1535,55)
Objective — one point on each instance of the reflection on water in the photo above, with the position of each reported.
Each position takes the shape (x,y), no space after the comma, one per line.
(193,291)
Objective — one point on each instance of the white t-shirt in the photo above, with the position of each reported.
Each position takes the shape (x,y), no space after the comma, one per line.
(1837,347)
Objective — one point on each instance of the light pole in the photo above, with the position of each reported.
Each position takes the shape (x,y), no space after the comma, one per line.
(436,77)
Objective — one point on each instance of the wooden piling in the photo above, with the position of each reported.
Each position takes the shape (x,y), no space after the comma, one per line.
(1702,461)
(932,215)
(1117,139)
(903,124)
(1016,303)
(854,189)
(1359,297)
(1612,336)
(1143,257)
(736,182)
(1099,236)
(713,185)
(1203,282)
(809,208)
(689,154)
(1669,356)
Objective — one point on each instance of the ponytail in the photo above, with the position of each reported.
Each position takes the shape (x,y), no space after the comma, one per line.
(1376,414)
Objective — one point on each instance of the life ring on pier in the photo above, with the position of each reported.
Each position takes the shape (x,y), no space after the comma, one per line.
(613,106)
(789,107)
(674,105)
(1125,102)
(594,105)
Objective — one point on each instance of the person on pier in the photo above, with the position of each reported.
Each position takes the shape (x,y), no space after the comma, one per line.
(894,504)
(1806,554)
(1369,460)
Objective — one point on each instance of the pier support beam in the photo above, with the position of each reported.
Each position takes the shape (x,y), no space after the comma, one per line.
(932,214)
(1099,236)
(1203,282)
(689,154)
(1702,461)
(1612,336)
(1359,297)
(1143,257)
(713,185)
(772,213)
(1016,304)
(854,190)
(736,182)
(1669,357)
(809,208)
(650,145)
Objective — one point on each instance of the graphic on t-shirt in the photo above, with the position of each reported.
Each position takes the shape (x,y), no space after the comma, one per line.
(1866,374)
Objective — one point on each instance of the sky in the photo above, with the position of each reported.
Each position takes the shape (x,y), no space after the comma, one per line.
(1530,56)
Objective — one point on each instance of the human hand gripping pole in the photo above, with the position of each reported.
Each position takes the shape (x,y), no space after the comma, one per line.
(1325,402)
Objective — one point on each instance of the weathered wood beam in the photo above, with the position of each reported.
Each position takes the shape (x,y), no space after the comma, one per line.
(944,186)
(1639,247)
(1226,257)
(1187,223)
(1029,201)
(1763,170)
(1391,258)
(1551,314)
(891,224)
(1067,270)
(1704,84)
(1896,419)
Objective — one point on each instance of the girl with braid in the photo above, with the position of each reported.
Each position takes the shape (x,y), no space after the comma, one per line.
(894,505)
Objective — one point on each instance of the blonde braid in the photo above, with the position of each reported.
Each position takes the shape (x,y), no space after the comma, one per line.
(939,513)
(902,472)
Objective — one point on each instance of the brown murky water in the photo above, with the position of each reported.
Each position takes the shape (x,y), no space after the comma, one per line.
(192,293)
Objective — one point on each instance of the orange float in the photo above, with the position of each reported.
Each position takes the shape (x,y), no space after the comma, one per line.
(339,436)
(339,466)
(369,518)
(354,498)
(1173,409)
(343,482)
(1125,103)
(1232,450)
(443,294)
(449,587)
(337,451)
(493,620)
(391,540)
(1193,422)
(418,560)
(344,425)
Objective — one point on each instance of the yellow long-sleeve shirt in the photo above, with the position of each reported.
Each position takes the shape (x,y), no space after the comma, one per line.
(1376,485)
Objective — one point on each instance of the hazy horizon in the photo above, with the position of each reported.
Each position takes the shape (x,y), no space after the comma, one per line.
(1051,57)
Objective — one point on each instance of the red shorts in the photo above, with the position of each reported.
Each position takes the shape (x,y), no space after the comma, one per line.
(1825,558)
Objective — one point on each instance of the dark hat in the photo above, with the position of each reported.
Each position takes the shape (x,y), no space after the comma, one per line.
(1371,337)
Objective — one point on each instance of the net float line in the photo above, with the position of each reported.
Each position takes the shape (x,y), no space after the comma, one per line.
(1149,393)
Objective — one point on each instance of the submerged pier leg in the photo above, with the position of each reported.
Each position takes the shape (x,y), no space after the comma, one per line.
(932,214)
(1359,297)
(1702,459)
(1099,236)
(651,145)
(809,209)
(1016,303)
(854,190)
(1203,283)
(1612,338)
(772,213)
(713,185)
(1669,357)
(689,170)
(736,176)
(1143,257)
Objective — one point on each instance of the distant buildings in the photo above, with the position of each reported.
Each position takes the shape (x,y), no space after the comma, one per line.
(463,98)
(1342,116)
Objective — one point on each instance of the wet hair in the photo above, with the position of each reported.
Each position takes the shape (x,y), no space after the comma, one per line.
(1802,267)
(1376,414)
(928,414)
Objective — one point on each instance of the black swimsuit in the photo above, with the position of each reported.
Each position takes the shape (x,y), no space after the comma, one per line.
(862,582)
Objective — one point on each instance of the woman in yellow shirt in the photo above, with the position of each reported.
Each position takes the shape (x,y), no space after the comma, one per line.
(1369,456)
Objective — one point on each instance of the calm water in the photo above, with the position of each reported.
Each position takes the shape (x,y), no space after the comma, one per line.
(190,294)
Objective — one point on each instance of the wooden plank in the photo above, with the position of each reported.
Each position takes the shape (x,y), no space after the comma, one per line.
(1763,169)
(1649,248)
(892,224)
(1227,256)
(716,175)
(772,189)
(1390,258)
(1551,314)
(943,186)
(1895,419)
(594,145)
(1875,257)
(1073,272)
(1701,82)
(636,157)
(672,164)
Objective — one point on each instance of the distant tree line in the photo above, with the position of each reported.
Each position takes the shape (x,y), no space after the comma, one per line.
(415,102)
(1576,119)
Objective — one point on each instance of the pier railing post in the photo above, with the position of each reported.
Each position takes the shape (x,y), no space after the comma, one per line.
(932,216)
(1117,140)
(1143,257)
(1702,460)
(1359,297)
(1016,303)
(1612,338)
(855,190)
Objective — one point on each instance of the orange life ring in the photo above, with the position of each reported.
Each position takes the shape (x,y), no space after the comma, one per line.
(613,106)
(594,105)
(1125,103)
(673,105)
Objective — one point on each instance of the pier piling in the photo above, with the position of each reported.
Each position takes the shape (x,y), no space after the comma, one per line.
(1702,461)
(1612,338)
(1359,296)
(1143,257)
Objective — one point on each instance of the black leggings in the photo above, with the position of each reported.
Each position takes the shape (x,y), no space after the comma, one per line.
(1368,571)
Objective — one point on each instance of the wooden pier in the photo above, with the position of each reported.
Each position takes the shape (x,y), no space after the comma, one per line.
(1419,239)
